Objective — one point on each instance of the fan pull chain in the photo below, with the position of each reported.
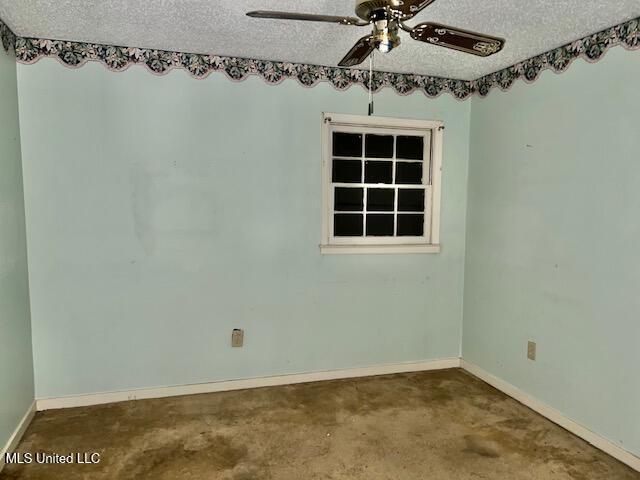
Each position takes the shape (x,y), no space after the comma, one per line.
(371,84)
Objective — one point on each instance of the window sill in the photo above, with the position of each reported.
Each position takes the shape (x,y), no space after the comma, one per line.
(377,249)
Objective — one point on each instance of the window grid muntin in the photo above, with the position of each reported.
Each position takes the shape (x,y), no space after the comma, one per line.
(426,185)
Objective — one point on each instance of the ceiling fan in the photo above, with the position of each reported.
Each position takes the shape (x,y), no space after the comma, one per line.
(387,18)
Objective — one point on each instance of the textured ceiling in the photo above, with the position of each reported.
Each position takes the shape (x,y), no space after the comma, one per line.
(219,27)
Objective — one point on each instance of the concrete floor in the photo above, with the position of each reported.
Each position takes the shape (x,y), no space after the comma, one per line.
(433,425)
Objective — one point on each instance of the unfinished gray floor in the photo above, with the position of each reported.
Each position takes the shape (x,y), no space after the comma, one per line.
(434,425)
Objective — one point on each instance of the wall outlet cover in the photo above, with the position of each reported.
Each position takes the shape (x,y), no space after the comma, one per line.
(237,337)
(531,350)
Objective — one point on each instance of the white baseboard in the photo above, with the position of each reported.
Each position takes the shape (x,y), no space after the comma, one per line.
(224,386)
(15,438)
(555,416)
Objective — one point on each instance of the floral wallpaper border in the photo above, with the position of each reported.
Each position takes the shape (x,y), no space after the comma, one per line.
(7,37)
(159,62)
(591,48)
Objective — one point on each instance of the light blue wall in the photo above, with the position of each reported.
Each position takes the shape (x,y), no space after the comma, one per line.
(552,242)
(16,365)
(162,212)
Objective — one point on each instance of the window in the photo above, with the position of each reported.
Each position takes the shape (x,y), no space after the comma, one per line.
(381,184)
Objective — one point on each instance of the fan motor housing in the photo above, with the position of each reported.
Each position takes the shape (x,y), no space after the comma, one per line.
(366,8)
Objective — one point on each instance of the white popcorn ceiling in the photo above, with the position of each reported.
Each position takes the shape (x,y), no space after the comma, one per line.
(530,27)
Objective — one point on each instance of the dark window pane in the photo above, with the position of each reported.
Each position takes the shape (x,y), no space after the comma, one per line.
(379,225)
(380,199)
(379,146)
(347,171)
(410,225)
(348,199)
(378,172)
(411,148)
(409,173)
(347,225)
(411,200)
(347,144)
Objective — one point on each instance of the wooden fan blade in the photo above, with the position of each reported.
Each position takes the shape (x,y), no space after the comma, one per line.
(409,8)
(463,40)
(307,17)
(359,53)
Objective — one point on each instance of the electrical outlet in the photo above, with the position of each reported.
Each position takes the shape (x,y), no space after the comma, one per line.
(237,337)
(531,350)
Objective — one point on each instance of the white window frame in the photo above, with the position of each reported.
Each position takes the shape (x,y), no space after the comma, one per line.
(430,241)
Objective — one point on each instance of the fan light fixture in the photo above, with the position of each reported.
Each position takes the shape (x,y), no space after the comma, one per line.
(385,34)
